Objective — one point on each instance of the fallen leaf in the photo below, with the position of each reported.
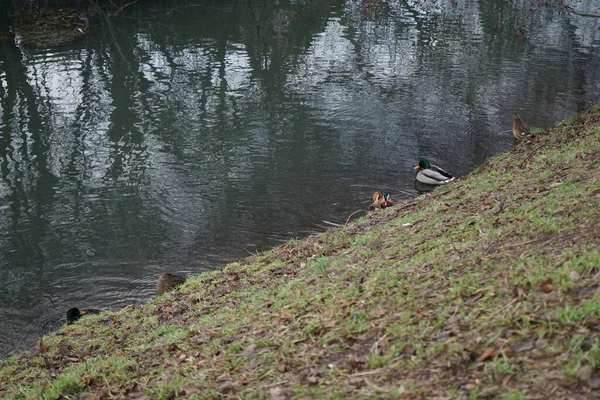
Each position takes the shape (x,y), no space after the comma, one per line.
(507,379)
(227,340)
(281,367)
(488,353)
(277,393)
(592,321)
(368,335)
(409,350)
(285,316)
(478,295)
(190,390)
(383,343)
(594,382)
(377,313)
(200,339)
(554,375)
(330,324)
(358,383)
(574,275)
(546,287)
(453,320)
(355,362)
(524,345)
(243,380)
(587,344)
(249,350)
(226,387)
(42,348)
(546,280)
(584,373)
(89,396)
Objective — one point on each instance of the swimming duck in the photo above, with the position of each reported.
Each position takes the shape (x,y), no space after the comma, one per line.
(74,313)
(168,282)
(431,174)
(381,200)
(520,128)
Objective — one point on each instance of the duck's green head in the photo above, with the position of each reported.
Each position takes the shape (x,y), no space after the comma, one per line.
(73,314)
(423,164)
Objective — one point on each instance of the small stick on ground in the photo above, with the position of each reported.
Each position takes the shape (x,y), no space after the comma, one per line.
(273,384)
(351,215)
(531,154)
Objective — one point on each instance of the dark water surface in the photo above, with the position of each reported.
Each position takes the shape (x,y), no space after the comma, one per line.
(179,136)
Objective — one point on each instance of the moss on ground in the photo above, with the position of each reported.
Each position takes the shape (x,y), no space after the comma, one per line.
(485,288)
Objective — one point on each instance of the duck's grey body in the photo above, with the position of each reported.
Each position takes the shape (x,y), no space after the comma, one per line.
(434,176)
(431,175)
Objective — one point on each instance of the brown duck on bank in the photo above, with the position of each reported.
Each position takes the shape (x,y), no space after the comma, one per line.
(520,129)
(168,282)
(381,200)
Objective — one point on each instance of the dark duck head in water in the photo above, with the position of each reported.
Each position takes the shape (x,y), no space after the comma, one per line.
(74,313)
(168,282)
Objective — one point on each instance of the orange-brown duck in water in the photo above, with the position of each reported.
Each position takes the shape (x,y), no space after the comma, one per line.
(381,200)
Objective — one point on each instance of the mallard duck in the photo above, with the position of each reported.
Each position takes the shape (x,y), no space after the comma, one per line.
(520,129)
(381,200)
(431,174)
(168,282)
(73,314)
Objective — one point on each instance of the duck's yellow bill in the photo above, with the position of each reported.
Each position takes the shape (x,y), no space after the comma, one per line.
(416,166)
(82,312)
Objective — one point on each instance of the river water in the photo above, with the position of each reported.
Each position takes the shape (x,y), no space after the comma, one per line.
(181,135)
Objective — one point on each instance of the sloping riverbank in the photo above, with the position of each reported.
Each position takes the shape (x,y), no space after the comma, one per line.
(485,288)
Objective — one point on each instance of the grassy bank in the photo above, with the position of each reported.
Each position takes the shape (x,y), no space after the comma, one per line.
(485,288)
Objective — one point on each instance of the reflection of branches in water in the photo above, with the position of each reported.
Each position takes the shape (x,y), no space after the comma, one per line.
(119,9)
(571,10)
(523,7)
(170,10)
(112,34)
(369,8)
